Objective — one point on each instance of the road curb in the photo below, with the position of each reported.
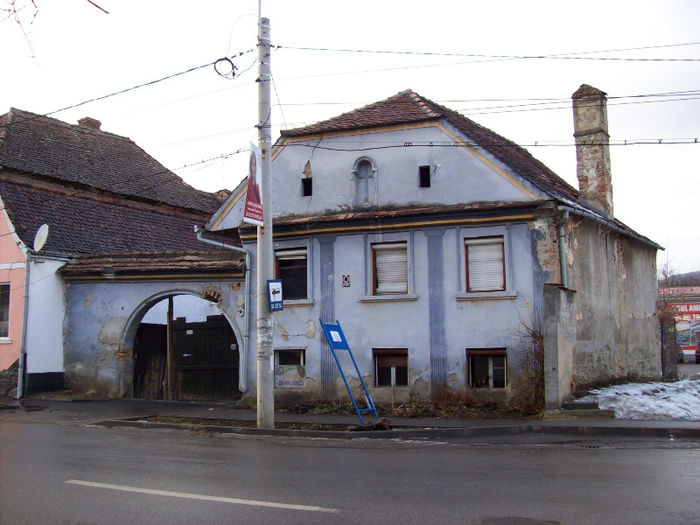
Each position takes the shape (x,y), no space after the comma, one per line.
(424,433)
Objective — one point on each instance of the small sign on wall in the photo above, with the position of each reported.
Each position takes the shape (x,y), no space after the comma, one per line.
(274,294)
(346,281)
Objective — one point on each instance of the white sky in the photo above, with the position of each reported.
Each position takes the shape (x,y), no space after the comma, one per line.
(73,52)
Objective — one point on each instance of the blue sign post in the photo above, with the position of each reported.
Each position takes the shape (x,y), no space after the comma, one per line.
(336,340)
(274,294)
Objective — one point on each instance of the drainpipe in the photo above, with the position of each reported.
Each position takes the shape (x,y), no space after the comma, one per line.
(243,352)
(23,344)
(562,249)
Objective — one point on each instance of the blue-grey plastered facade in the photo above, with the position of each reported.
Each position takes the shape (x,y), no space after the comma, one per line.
(102,317)
(436,321)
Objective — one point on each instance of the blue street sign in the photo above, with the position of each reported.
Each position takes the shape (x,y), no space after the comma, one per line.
(274,294)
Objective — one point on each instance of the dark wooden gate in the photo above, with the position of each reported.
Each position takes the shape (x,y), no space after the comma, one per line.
(150,355)
(205,357)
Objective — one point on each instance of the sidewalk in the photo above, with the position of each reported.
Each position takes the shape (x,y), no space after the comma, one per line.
(139,413)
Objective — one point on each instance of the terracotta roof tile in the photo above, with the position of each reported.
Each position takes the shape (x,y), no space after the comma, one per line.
(74,154)
(80,224)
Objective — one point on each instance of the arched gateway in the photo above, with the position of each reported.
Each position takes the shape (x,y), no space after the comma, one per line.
(109,350)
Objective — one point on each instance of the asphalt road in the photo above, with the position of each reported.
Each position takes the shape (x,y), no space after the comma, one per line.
(68,474)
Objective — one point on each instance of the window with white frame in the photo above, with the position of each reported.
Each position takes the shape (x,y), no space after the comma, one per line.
(389,268)
(487,367)
(290,267)
(485,264)
(390,367)
(4,310)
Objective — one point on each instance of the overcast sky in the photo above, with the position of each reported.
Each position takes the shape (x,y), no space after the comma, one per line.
(475,57)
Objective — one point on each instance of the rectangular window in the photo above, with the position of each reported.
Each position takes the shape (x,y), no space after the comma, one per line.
(290,368)
(424,176)
(289,357)
(485,264)
(487,367)
(390,268)
(4,310)
(307,186)
(291,268)
(390,367)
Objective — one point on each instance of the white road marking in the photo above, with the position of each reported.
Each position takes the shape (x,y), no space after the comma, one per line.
(201,497)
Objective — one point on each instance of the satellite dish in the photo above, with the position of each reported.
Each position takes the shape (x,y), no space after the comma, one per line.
(40,238)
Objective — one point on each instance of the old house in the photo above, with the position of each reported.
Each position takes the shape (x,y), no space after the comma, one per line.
(456,262)
(93,233)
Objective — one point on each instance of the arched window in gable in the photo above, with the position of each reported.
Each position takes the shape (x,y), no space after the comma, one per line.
(365,181)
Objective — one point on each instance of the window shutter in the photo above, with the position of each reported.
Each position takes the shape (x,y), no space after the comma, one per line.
(391,268)
(289,255)
(485,268)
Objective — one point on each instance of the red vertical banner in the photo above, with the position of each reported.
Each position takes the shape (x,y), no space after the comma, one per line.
(253,211)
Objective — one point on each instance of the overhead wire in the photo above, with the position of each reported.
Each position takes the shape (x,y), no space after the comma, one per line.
(558,56)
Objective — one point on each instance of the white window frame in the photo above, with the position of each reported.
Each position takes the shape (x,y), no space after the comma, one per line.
(392,239)
(289,249)
(478,234)
(486,256)
(487,354)
(390,262)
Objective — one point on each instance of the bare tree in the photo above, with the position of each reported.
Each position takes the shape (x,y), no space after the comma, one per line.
(24,12)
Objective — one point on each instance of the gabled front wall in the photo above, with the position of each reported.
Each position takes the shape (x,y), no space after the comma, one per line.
(459,174)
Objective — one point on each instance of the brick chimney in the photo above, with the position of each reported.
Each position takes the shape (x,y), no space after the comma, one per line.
(592,147)
(88,122)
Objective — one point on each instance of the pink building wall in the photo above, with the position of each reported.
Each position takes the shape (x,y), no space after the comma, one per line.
(12,271)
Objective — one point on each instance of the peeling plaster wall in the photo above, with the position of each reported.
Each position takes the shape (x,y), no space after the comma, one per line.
(101,320)
(466,322)
(615,282)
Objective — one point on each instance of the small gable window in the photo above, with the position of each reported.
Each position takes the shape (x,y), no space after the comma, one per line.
(307,181)
(424,176)
(307,187)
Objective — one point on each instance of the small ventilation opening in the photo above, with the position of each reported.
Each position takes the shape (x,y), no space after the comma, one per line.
(307,187)
(424,176)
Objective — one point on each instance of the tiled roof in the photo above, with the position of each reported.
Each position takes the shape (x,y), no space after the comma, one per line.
(84,155)
(81,223)
(168,263)
(409,107)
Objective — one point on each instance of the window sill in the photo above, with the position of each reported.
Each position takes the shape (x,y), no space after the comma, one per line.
(292,303)
(5,341)
(485,296)
(388,298)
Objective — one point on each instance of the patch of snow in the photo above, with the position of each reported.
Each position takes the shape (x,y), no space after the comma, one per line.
(679,401)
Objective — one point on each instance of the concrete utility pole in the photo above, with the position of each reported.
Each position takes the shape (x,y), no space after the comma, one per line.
(265,267)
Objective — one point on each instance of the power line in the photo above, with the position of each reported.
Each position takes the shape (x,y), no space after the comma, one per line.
(144,84)
(560,56)
(507,144)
